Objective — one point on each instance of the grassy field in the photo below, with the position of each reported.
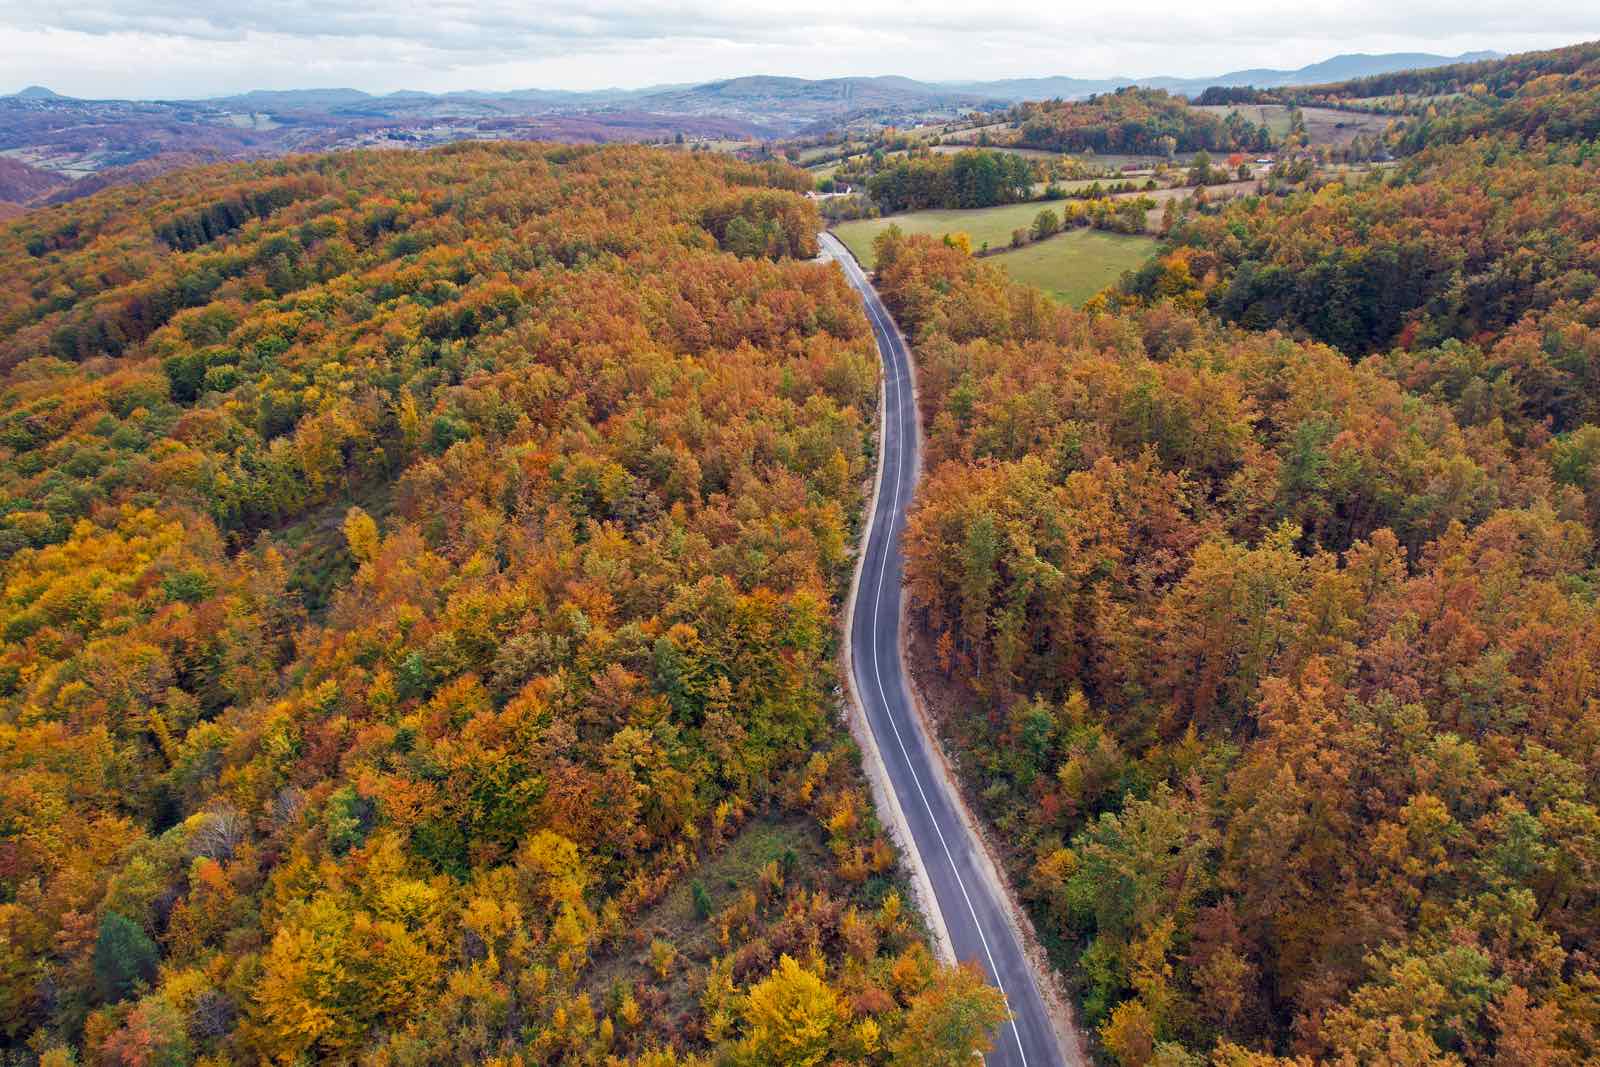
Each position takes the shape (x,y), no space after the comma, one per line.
(1334,127)
(947,149)
(1275,117)
(809,156)
(971,134)
(723,876)
(1075,265)
(985,224)
(1071,267)
(1323,125)
(717,145)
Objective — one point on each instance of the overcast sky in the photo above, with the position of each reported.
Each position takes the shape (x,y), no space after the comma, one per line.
(194,48)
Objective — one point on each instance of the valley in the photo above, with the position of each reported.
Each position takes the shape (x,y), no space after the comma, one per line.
(815,572)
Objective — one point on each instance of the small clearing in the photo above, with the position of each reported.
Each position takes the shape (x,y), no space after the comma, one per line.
(793,843)
(1073,266)
(990,226)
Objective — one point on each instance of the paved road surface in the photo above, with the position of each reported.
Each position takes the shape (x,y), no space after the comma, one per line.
(966,897)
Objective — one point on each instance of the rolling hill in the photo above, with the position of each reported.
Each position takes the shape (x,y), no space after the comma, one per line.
(1338,68)
(790,104)
(20,183)
(118,140)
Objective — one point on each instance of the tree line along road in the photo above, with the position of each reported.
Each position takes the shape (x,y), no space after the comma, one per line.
(970,902)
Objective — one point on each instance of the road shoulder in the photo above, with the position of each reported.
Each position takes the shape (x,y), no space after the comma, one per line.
(1057,1001)
(884,798)
(1069,1039)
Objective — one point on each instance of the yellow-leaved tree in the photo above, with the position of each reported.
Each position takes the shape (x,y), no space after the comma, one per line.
(361,534)
(949,1022)
(790,1017)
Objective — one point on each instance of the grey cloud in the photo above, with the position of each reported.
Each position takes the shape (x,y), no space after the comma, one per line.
(447,25)
(462,23)
(460,43)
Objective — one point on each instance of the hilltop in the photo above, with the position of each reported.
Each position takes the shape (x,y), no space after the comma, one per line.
(416,642)
(1340,67)
(118,139)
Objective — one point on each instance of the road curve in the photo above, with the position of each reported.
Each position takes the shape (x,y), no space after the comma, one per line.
(967,898)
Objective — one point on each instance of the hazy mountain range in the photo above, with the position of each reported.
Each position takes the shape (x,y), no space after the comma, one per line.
(765,92)
(770,105)
(57,147)
(1339,68)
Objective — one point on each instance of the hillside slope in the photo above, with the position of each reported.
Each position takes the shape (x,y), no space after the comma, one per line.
(1259,601)
(1355,65)
(416,621)
(20,183)
(790,104)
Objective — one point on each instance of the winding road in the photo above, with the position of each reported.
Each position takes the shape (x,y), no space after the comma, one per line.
(965,892)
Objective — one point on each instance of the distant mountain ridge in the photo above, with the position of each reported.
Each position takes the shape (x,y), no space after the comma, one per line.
(772,103)
(1338,68)
(63,147)
(19,182)
(862,93)
(342,99)
(791,104)
(853,93)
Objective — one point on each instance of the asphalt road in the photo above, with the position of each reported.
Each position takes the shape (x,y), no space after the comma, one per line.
(967,898)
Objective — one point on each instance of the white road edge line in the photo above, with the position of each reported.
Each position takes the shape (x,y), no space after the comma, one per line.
(893,374)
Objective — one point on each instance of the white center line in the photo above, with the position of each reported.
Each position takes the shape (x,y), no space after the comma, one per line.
(889,349)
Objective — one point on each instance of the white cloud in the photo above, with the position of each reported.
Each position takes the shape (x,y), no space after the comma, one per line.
(172,48)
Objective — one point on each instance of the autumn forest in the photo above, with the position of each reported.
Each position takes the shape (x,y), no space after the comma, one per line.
(416,565)
(1260,599)
(422,578)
